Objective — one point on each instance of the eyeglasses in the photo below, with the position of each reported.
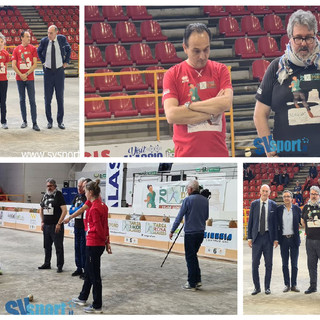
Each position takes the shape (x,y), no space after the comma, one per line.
(314,194)
(308,40)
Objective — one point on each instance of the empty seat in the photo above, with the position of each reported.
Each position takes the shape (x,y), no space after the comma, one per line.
(138,13)
(93,57)
(166,53)
(150,77)
(114,13)
(259,9)
(122,107)
(280,9)
(101,32)
(88,88)
(132,81)
(146,106)
(127,32)
(116,55)
(95,109)
(268,47)
(140,53)
(244,47)
(74,56)
(106,83)
(75,47)
(151,31)
(273,24)
(92,14)
(283,42)
(215,11)
(251,26)
(229,27)
(88,40)
(237,10)
(259,68)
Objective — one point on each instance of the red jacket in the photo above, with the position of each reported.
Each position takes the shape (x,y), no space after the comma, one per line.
(97,222)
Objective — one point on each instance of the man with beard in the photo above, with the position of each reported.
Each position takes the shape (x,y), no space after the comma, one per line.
(286,89)
(52,212)
(311,222)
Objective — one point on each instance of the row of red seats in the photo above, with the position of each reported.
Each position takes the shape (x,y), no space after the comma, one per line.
(256,195)
(12,19)
(101,32)
(64,24)
(116,55)
(58,11)
(116,13)
(278,188)
(120,107)
(272,165)
(9,12)
(14,25)
(257,170)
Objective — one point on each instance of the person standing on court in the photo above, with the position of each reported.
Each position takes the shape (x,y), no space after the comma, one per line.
(24,62)
(311,222)
(262,236)
(53,209)
(54,52)
(195,210)
(196,93)
(289,216)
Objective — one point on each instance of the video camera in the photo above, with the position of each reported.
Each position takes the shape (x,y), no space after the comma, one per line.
(206,193)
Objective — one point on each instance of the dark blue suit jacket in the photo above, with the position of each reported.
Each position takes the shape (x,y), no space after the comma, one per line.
(296,211)
(64,48)
(254,216)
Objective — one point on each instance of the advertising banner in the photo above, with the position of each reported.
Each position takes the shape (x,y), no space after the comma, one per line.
(114,184)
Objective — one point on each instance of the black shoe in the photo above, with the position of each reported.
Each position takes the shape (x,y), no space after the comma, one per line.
(268,291)
(49,125)
(77,273)
(286,289)
(82,277)
(24,124)
(61,126)
(255,291)
(44,266)
(295,289)
(59,270)
(35,127)
(310,290)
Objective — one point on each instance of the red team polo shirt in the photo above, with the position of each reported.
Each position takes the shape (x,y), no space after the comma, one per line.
(206,139)
(24,57)
(4,58)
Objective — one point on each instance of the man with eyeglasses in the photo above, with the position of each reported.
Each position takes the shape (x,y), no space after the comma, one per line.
(311,222)
(53,209)
(289,216)
(290,88)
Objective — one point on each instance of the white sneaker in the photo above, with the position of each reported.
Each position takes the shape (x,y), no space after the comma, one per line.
(186,286)
(79,302)
(91,309)
(4,126)
(198,285)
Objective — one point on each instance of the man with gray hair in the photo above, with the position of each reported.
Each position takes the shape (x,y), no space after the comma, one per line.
(195,210)
(53,209)
(291,89)
(311,222)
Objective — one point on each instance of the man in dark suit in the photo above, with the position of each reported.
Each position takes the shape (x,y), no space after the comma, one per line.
(54,52)
(262,236)
(289,217)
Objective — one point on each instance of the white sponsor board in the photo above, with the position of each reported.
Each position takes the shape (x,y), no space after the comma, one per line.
(114,184)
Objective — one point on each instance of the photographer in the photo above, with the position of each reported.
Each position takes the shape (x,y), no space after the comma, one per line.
(195,209)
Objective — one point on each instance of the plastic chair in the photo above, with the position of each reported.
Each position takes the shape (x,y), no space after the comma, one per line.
(92,14)
(273,24)
(280,9)
(251,26)
(75,47)
(237,10)
(70,39)
(122,107)
(283,42)
(259,68)
(141,54)
(138,13)
(215,11)
(88,88)
(150,77)
(93,57)
(229,27)
(101,32)
(114,13)
(116,55)
(166,53)
(74,56)
(259,10)
(268,47)
(106,83)
(96,109)
(244,47)
(146,106)
(127,32)
(132,81)
(151,31)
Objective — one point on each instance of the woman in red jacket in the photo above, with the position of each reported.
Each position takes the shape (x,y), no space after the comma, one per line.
(97,241)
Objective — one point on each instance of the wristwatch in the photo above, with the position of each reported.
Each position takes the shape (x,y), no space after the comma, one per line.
(187,104)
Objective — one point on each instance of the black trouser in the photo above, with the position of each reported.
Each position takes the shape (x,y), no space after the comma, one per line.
(49,237)
(92,276)
(313,254)
(3,99)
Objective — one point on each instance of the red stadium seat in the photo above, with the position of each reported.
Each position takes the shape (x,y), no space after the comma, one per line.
(95,109)
(92,14)
(116,55)
(13,33)
(245,182)
(273,24)
(106,83)
(101,32)
(146,106)
(74,56)
(70,39)
(18,25)
(9,25)
(151,31)
(283,42)
(126,32)
(252,195)
(150,77)
(166,53)
(34,40)
(88,88)
(252,189)
(280,9)
(244,47)
(132,81)
(258,176)
(122,107)
(306,194)
(215,11)
(75,47)
(246,203)
(114,13)
(291,175)
(229,27)
(273,188)
(245,188)
(259,68)
(138,13)
(237,10)
(273,195)
(252,183)
(93,57)
(2,25)
(280,188)
(258,182)
(6,32)
(268,47)
(251,26)
(9,42)
(141,54)
(73,31)
(76,38)
(16,40)
(259,10)
(264,176)
(245,195)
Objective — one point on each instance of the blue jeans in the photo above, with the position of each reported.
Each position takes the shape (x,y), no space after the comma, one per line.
(22,86)
(192,243)
(80,248)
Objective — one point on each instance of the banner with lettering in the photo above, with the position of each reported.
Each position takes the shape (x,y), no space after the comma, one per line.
(114,184)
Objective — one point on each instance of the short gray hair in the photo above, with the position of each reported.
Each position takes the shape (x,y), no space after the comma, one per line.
(81,180)
(3,37)
(303,18)
(52,181)
(194,185)
(287,191)
(54,26)
(316,189)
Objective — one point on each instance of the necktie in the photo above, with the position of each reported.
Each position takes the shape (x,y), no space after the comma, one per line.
(263,219)
(53,57)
